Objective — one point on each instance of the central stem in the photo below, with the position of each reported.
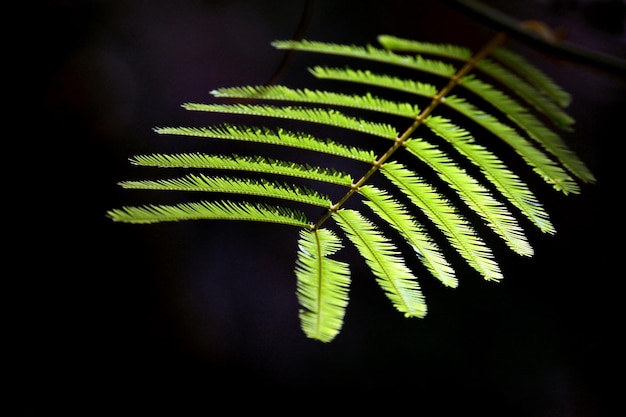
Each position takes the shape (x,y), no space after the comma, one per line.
(401,140)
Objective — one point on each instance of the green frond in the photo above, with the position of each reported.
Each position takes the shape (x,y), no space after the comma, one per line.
(406,45)
(531,125)
(329,117)
(397,216)
(427,218)
(443,214)
(381,255)
(322,284)
(370,53)
(205,210)
(280,137)
(244,163)
(376,80)
(231,185)
(279,92)
(477,197)
(535,76)
(505,181)
(548,169)
(528,92)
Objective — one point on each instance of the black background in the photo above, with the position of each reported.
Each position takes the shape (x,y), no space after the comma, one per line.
(115,315)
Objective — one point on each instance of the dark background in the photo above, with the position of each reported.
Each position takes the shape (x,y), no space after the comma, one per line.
(115,315)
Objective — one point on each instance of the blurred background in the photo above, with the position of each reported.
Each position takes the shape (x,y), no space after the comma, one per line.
(111,314)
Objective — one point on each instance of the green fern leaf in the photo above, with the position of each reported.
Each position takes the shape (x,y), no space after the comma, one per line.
(322,284)
(376,80)
(407,45)
(363,102)
(205,210)
(443,214)
(231,185)
(280,137)
(397,216)
(370,53)
(317,115)
(381,255)
(256,164)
